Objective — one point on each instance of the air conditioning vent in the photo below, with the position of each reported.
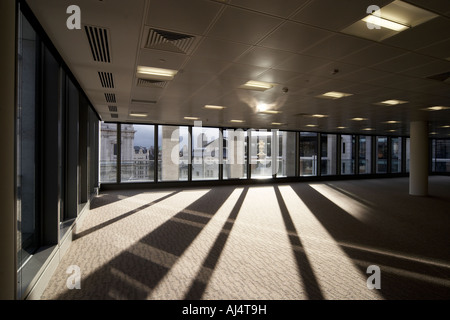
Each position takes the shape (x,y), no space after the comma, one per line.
(110,97)
(106,79)
(443,77)
(99,42)
(112,108)
(114,115)
(151,83)
(169,41)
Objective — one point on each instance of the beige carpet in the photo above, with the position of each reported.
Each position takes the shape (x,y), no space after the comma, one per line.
(287,242)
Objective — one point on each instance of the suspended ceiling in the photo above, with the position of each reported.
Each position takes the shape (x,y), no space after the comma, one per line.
(303,47)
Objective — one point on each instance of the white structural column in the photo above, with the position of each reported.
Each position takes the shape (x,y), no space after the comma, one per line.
(7,94)
(418,176)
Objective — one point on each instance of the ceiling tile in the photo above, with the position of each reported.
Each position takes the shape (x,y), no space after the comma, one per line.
(301,63)
(423,35)
(439,50)
(294,37)
(277,76)
(335,15)
(243,71)
(337,46)
(220,49)
(429,69)
(264,57)
(161,59)
(279,8)
(403,62)
(374,54)
(193,16)
(243,26)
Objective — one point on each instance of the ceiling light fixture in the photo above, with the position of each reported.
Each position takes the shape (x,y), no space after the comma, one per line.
(257,85)
(368,129)
(138,114)
(311,125)
(191,118)
(271,112)
(393,102)
(156,73)
(445,127)
(208,106)
(334,95)
(436,108)
(277,123)
(359,119)
(385,23)
(319,116)
(237,121)
(392,122)
(341,128)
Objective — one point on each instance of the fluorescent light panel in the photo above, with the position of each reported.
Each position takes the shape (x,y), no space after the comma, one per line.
(436,108)
(138,114)
(385,23)
(208,106)
(191,118)
(237,121)
(156,73)
(359,119)
(334,95)
(257,85)
(393,102)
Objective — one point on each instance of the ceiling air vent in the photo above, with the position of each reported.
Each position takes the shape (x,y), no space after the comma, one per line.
(443,77)
(110,97)
(112,108)
(99,42)
(169,41)
(106,79)
(114,115)
(151,83)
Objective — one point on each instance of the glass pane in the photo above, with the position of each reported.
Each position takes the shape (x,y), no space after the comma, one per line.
(328,144)
(261,154)
(441,156)
(365,154)
(382,155)
(137,152)
(234,154)
(408,153)
(27,213)
(308,154)
(205,153)
(285,154)
(173,153)
(347,154)
(396,155)
(108,152)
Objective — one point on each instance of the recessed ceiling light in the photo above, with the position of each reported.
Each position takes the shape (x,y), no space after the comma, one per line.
(341,128)
(257,85)
(393,130)
(385,23)
(138,114)
(359,119)
(319,116)
(208,106)
(334,95)
(368,129)
(311,125)
(237,121)
(277,123)
(445,127)
(436,108)
(393,102)
(191,118)
(156,73)
(271,112)
(433,133)
(392,122)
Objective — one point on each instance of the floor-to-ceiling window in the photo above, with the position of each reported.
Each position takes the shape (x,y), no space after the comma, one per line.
(328,152)
(407,153)
(365,154)
(173,153)
(234,154)
(206,145)
(308,154)
(108,152)
(28,215)
(382,154)
(396,155)
(347,154)
(137,153)
(261,164)
(440,155)
(285,153)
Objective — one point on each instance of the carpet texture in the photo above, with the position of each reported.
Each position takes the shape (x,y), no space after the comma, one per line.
(280,241)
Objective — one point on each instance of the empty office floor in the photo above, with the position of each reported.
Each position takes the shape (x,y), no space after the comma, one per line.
(277,241)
